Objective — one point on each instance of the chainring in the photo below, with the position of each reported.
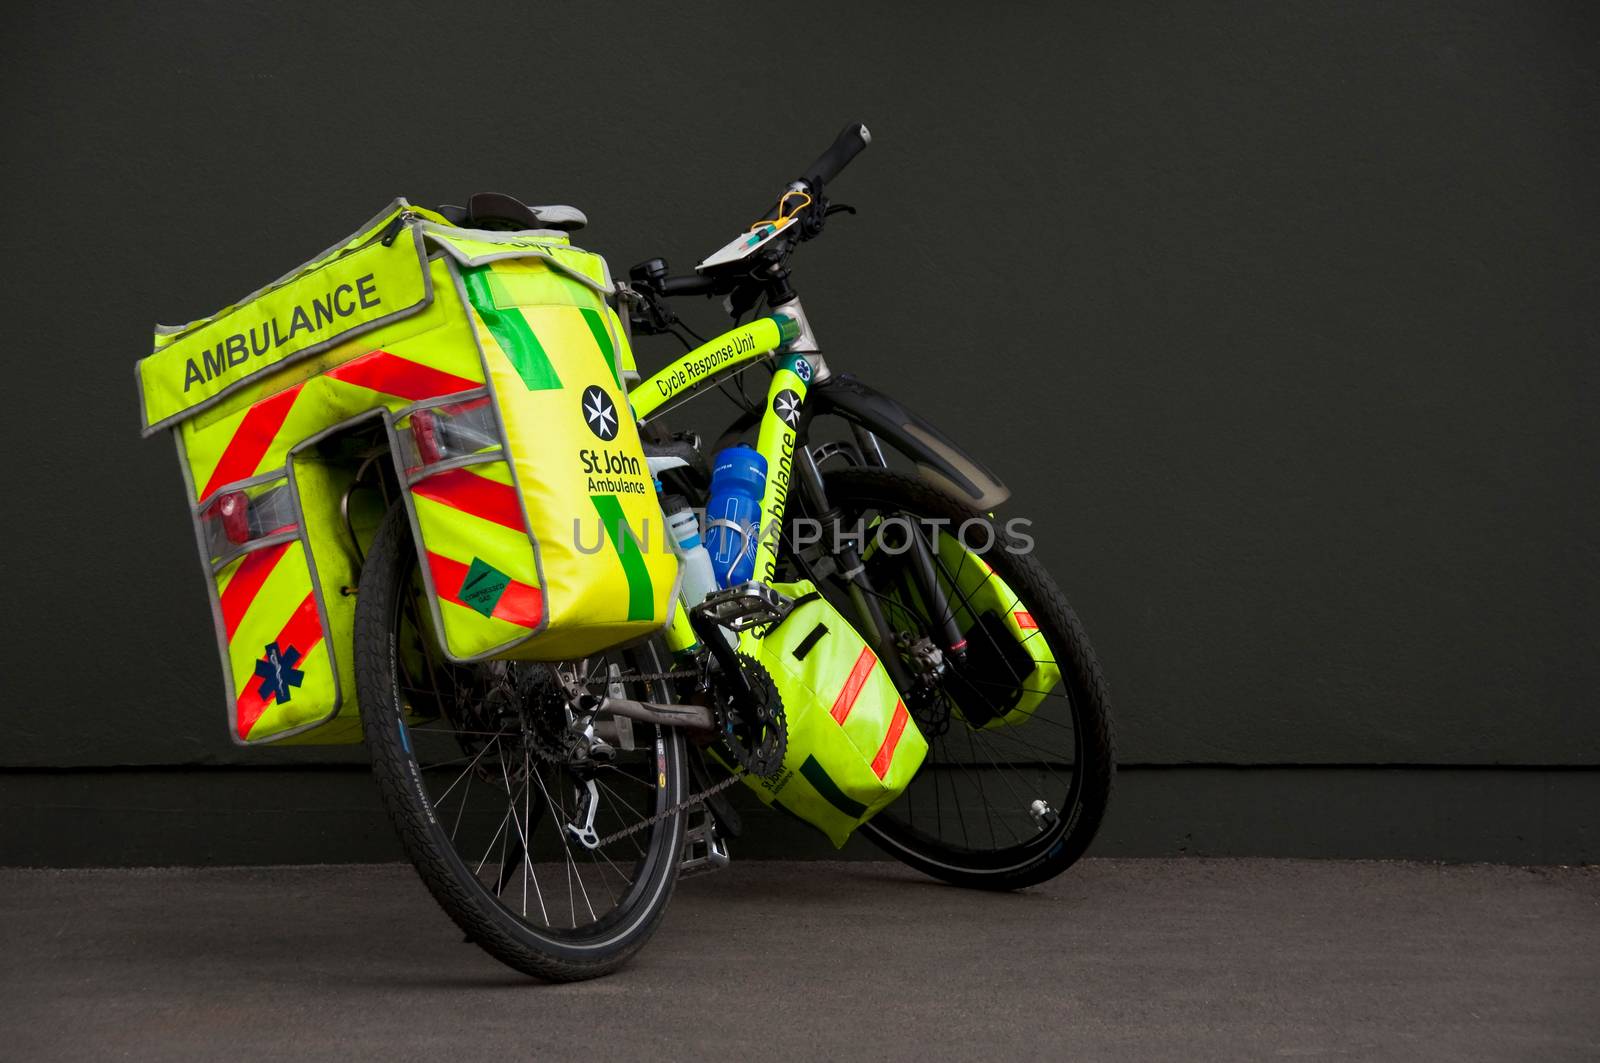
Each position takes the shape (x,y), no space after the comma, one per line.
(754,737)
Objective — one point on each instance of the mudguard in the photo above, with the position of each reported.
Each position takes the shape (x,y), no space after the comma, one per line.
(939,459)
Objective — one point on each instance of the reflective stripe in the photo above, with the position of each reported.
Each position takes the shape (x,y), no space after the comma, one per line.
(510,330)
(246,584)
(393,375)
(1024,618)
(519,603)
(852,686)
(475,495)
(252,439)
(821,782)
(885,757)
(302,632)
(641,593)
(602,339)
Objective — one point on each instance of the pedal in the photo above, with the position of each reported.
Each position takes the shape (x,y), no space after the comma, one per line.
(750,604)
(703,848)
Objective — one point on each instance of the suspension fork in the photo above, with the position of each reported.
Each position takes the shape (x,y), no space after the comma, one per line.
(923,572)
(853,570)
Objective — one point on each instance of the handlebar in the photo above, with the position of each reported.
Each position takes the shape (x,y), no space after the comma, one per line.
(735,274)
(851,141)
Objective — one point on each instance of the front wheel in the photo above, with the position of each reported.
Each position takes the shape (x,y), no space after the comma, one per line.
(1020,758)
(475,767)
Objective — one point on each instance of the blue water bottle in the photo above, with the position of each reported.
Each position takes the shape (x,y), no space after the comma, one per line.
(733,515)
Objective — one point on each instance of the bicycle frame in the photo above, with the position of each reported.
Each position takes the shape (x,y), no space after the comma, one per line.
(938,459)
(710,362)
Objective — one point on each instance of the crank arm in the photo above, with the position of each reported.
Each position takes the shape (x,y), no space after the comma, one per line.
(687,717)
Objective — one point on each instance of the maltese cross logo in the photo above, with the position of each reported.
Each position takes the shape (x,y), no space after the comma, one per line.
(600,412)
(787,406)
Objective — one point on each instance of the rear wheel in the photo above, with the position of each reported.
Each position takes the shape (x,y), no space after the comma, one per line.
(475,767)
(1005,798)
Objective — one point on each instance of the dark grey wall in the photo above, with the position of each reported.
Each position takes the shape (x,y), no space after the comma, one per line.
(1279,318)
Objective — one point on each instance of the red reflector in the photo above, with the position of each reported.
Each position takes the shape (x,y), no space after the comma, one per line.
(425,431)
(234,508)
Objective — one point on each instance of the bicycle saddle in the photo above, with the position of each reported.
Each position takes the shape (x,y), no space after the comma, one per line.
(496,210)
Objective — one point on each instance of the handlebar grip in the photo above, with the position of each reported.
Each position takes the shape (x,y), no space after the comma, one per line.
(688,285)
(850,142)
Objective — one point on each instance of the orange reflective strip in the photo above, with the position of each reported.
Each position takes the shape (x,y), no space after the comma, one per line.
(393,375)
(252,439)
(1025,619)
(519,603)
(246,584)
(852,686)
(302,632)
(897,725)
(478,495)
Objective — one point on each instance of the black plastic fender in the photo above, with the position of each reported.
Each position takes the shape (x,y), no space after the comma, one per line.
(938,458)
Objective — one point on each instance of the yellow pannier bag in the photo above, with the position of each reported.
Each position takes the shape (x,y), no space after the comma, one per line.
(1010,666)
(493,363)
(852,746)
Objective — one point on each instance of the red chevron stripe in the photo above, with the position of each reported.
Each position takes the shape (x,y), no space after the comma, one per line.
(246,584)
(1025,618)
(852,686)
(897,726)
(401,377)
(252,439)
(519,604)
(478,495)
(302,632)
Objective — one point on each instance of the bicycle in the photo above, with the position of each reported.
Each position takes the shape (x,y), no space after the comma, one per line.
(549,807)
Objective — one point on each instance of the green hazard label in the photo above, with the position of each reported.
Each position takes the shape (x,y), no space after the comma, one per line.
(483,586)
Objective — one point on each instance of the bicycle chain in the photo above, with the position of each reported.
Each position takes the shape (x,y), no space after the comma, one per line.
(687,803)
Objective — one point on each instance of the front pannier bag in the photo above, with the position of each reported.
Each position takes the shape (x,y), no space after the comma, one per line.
(852,745)
(495,365)
(1010,667)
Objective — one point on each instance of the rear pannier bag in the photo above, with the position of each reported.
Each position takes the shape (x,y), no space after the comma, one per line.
(495,364)
(852,745)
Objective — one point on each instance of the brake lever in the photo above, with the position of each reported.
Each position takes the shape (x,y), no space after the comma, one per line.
(648,313)
(815,214)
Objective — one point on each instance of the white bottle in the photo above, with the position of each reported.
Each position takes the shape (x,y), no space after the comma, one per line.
(698,578)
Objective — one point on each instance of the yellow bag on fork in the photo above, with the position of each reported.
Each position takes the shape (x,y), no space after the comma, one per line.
(493,364)
(1014,666)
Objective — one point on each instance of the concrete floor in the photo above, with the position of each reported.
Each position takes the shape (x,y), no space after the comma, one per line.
(1118,959)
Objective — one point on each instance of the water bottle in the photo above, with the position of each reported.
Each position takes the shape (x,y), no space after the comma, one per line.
(733,516)
(698,578)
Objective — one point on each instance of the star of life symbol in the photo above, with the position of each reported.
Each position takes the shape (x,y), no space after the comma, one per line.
(802,369)
(787,406)
(278,673)
(600,412)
